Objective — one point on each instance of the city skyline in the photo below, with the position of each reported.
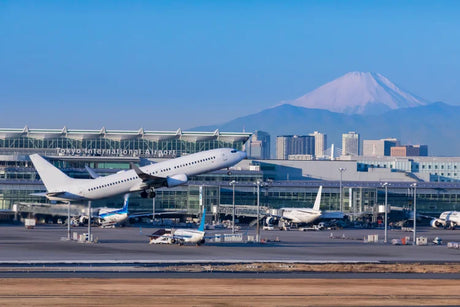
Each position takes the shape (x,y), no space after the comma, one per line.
(169,65)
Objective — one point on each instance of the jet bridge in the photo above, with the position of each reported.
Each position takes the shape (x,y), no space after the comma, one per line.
(46,209)
(240,210)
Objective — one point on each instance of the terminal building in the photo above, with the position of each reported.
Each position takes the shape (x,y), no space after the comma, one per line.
(283,183)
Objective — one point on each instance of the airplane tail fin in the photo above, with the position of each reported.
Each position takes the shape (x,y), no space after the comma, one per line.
(52,177)
(318,199)
(126,203)
(201,228)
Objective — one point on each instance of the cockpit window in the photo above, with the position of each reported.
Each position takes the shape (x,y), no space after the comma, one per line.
(233,151)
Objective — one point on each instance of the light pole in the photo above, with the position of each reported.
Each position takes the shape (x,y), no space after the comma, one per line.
(341,170)
(68,220)
(232,183)
(258,183)
(414,185)
(153,210)
(386,184)
(89,222)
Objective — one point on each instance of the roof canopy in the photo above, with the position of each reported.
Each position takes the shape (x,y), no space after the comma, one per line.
(118,135)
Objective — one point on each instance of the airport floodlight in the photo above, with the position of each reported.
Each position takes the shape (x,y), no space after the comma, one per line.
(385,185)
(341,170)
(258,183)
(414,185)
(233,183)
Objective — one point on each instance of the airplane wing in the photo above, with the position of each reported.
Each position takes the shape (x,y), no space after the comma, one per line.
(182,236)
(63,196)
(140,214)
(41,194)
(149,179)
(91,172)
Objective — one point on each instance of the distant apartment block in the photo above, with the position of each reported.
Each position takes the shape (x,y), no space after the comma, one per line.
(258,146)
(294,145)
(379,148)
(430,169)
(320,143)
(350,144)
(409,151)
(301,157)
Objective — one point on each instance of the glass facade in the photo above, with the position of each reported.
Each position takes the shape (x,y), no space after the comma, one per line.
(110,151)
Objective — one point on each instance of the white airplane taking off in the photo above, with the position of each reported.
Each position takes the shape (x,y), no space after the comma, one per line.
(169,173)
(447,219)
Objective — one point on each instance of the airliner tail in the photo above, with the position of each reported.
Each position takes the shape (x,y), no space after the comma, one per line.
(201,228)
(52,177)
(318,199)
(126,203)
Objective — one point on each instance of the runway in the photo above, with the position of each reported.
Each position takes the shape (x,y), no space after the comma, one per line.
(37,267)
(44,244)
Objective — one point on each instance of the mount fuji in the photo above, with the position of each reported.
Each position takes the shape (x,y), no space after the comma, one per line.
(367,103)
(358,93)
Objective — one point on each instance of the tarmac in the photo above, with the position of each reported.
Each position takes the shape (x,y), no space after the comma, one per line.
(46,245)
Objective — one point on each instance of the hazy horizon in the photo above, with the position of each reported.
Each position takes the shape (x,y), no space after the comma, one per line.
(165,65)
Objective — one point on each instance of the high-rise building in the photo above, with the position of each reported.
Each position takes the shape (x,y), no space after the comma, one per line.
(258,145)
(320,143)
(379,148)
(423,150)
(350,144)
(294,145)
(409,150)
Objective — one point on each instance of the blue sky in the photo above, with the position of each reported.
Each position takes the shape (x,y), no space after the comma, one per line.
(163,65)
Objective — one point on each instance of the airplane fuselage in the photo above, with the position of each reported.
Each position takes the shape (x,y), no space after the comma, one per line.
(113,216)
(190,235)
(179,236)
(447,219)
(300,215)
(174,172)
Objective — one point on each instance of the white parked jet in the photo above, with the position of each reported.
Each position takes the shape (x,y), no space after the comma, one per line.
(303,215)
(447,219)
(180,236)
(169,173)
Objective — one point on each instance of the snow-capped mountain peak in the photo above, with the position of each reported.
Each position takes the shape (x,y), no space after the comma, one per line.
(359,93)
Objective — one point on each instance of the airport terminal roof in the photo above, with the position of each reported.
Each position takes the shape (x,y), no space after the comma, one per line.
(118,135)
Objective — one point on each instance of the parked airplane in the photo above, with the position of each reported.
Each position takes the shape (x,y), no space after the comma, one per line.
(304,215)
(447,219)
(111,216)
(180,236)
(169,173)
(115,216)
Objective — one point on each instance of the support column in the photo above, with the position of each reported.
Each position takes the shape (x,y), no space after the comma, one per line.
(89,221)
(153,210)
(68,220)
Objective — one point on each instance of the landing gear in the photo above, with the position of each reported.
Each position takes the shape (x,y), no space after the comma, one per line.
(229,172)
(148,193)
(201,242)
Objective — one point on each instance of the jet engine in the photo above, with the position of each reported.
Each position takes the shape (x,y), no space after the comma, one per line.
(436,223)
(176,180)
(270,220)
